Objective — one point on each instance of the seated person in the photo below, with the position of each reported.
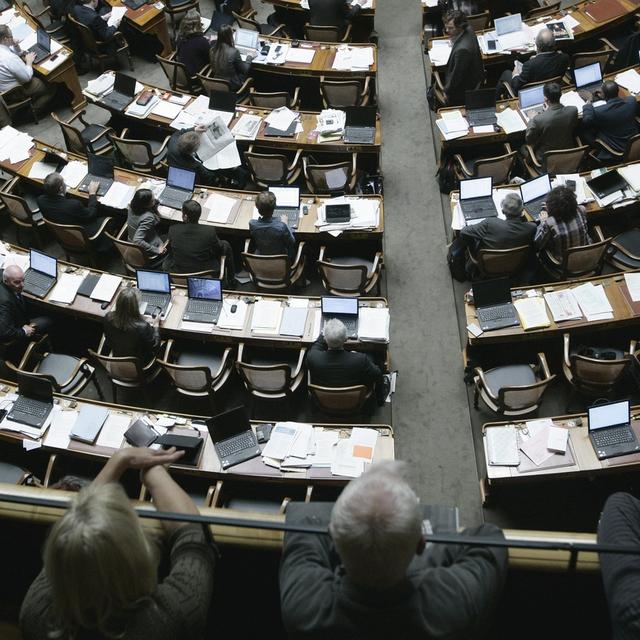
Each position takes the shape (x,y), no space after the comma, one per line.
(142,224)
(126,330)
(330,365)
(100,577)
(95,15)
(192,48)
(225,59)
(270,236)
(555,127)
(182,152)
(195,247)
(495,233)
(375,576)
(562,225)
(332,13)
(613,122)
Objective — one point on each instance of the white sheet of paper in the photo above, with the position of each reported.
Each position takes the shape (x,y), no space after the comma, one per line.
(300,55)
(563,305)
(166,109)
(58,434)
(632,281)
(235,320)
(106,287)
(219,207)
(66,288)
(74,173)
(118,196)
(40,170)
(112,432)
(51,63)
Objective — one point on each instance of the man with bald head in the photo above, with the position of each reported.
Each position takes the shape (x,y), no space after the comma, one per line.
(375,576)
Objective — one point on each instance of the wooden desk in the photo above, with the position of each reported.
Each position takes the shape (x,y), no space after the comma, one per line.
(149,20)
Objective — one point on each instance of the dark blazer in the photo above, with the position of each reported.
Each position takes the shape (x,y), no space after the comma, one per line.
(495,233)
(613,122)
(193,53)
(141,342)
(192,247)
(464,70)
(331,13)
(552,129)
(542,66)
(62,210)
(230,66)
(14,314)
(272,237)
(175,158)
(91,18)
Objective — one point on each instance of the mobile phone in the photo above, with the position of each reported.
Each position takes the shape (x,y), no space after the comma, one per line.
(570,184)
(491,45)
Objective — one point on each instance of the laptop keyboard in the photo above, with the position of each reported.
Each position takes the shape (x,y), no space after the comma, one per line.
(481,117)
(293,215)
(154,299)
(478,210)
(104,183)
(36,280)
(607,437)
(359,135)
(495,313)
(31,407)
(234,445)
(173,197)
(204,306)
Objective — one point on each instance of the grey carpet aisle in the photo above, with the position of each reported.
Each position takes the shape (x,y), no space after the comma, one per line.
(431,413)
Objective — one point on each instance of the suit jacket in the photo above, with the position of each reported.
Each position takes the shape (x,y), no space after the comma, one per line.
(14,314)
(91,18)
(62,210)
(192,247)
(175,158)
(143,230)
(272,237)
(542,66)
(331,13)
(141,341)
(495,233)
(464,70)
(613,122)
(229,65)
(193,52)
(552,129)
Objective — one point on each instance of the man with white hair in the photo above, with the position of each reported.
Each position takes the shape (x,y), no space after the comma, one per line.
(375,577)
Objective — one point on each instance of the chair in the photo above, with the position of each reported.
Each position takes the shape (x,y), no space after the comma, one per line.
(273,273)
(594,377)
(274,378)
(97,49)
(508,91)
(173,8)
(268,169)
(498,167)
(338,94)
(350,276)
(630,154)
(92,138)
(343,401)
(327,34)
(15,100)
(197,371)
(133,257)
(555,162)
(479,21)
(75,241)
(274,100)
(22,209)
(180,279)
(337,178)
(624,251)
(210,84)
(496,263)
(546,9)
(438,87)
(247,22)
(512,390)
(55,28)
(145,156)
(177,74)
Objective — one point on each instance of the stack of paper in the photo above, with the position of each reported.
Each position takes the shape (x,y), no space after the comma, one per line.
(136,110)
(229,320)
(290,445)
(15,259)
(219,208)
(502,446)
(354,453)
(353,58)
(166,109)
(32,432)
(510,120)
(563,305)
(66,288)
(331,121)
(74,173)
(452,124)
(300,55)
(118,196)
(266,317)
(593,301)
(247,127)
(630,80)
(632,281)
(281,119)
(323,447)
(572,98)
(373,324)
(440,52)
(106,287)
(631,173)
(532,312)
(14,145)
(40,170)
(102,85)
(294,321)
(365,214)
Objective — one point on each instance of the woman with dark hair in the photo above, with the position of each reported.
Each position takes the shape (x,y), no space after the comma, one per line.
(192,48)
(142,224)
(226,61)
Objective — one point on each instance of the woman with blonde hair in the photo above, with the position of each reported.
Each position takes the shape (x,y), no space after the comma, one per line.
(100,570)
(192,48)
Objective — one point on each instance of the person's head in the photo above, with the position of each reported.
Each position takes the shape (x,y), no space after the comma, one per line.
(54,185)
(191,211)
(265,204)
(143,200)
(610,89)
(552,92)
(190,25)
(189,142)
(98,562)
(376,525)
(545,41)
(335,334)
(225,36)
(512,205)
(561,203)
(13,277)
(454,23)
(6,37)
(127,310)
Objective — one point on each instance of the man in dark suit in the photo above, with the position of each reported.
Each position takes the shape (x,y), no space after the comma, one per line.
(93,15)
(195,247)
(332,13)
(182,152)
(613,123)
(465,70)
(329,365)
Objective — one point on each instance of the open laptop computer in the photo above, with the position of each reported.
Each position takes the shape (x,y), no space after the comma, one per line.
(509,32)
(344,309)
(101,171)
(534,194)
(180,183)
(492,300)
(531,101)
(480,107)
(155,292)
(475,198)
(360,125)
(287,204)
(588,78)
(232,437)
(607,183)
(205,300)
(34,402)
(246,41)
(124,89)
(41,274)
(610,430)
(42,47)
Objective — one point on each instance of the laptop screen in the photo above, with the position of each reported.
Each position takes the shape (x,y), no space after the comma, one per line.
(100,166)
(488,293)
(612,414)
(480,99)
(204,288)
(153,281)
(286,196)
(360,116)
(124,84)
(228,424)
(33,387)
(246,38)
(508,24)
(43,39)
(181,178)
(535,188)
(587,75)
(343,306)
(531,97)
(43,263)
(223,101)
(476,188)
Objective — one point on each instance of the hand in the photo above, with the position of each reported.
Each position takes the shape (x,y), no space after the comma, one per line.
(106,16)
(163,247)
(597,95)
(543,215)
(29,58)
(285,218)
(28,329)
(144,458)
(585,95)
(94,185)
(200,128)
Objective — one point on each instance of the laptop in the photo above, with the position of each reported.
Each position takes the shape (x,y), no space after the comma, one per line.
(133,4)
(124,89)
(232,437)
(492,300)
(179,189)
(480,107)
(101,171)
(205,300)
(223,101)
(287,204)
(607,183)
(34,402)
(42,47)
(343,309)
(41,274)
(360,125)
(246,41)
(534,194)
(531,101)
(588,78)
(610,430)
(337,213)
(509,32)
(475,198)
(155,292)
(50,157)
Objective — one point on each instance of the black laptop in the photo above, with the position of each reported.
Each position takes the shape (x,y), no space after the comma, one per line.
(41,274)
(480,107)
(287,204)
(337,213)
(155,292)
(360,125)
(42,47)
(534,195)
(205,300)
(343,309)
(101,171)
(607,183)
(492,300)
(589,77)
(124,89)
(179,189)
(34,402)
(51,157)
(233,438)
(476,199)
(610,430)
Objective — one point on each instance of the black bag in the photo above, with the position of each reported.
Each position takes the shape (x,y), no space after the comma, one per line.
(456,261)
(431,98)
(446,175)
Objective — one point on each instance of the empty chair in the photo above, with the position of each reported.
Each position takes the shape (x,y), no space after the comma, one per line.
(342,401)
(145,156)
(624,251)
(247,22)
(133,256)
(22,209)
(274,273)
(558,161)
(211,83)
(479,21)
(268,169)
(350,275)
(495,263)
(547,8)
(55,28)
(274,100)
(91,138)
(498,167)
(75,241)
(512,390)
(327,34)
(338,94)
(177,74)
(98,50)
(15,100)
(336,178)
(584,58)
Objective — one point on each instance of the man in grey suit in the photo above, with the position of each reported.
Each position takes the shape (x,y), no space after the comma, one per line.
(554,128)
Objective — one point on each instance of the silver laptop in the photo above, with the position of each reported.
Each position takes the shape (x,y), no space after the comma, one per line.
(588,78)
(534,194)
(531,101)
(155,292)
(509,32)
(246,41)
(41,274)
(179,189)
